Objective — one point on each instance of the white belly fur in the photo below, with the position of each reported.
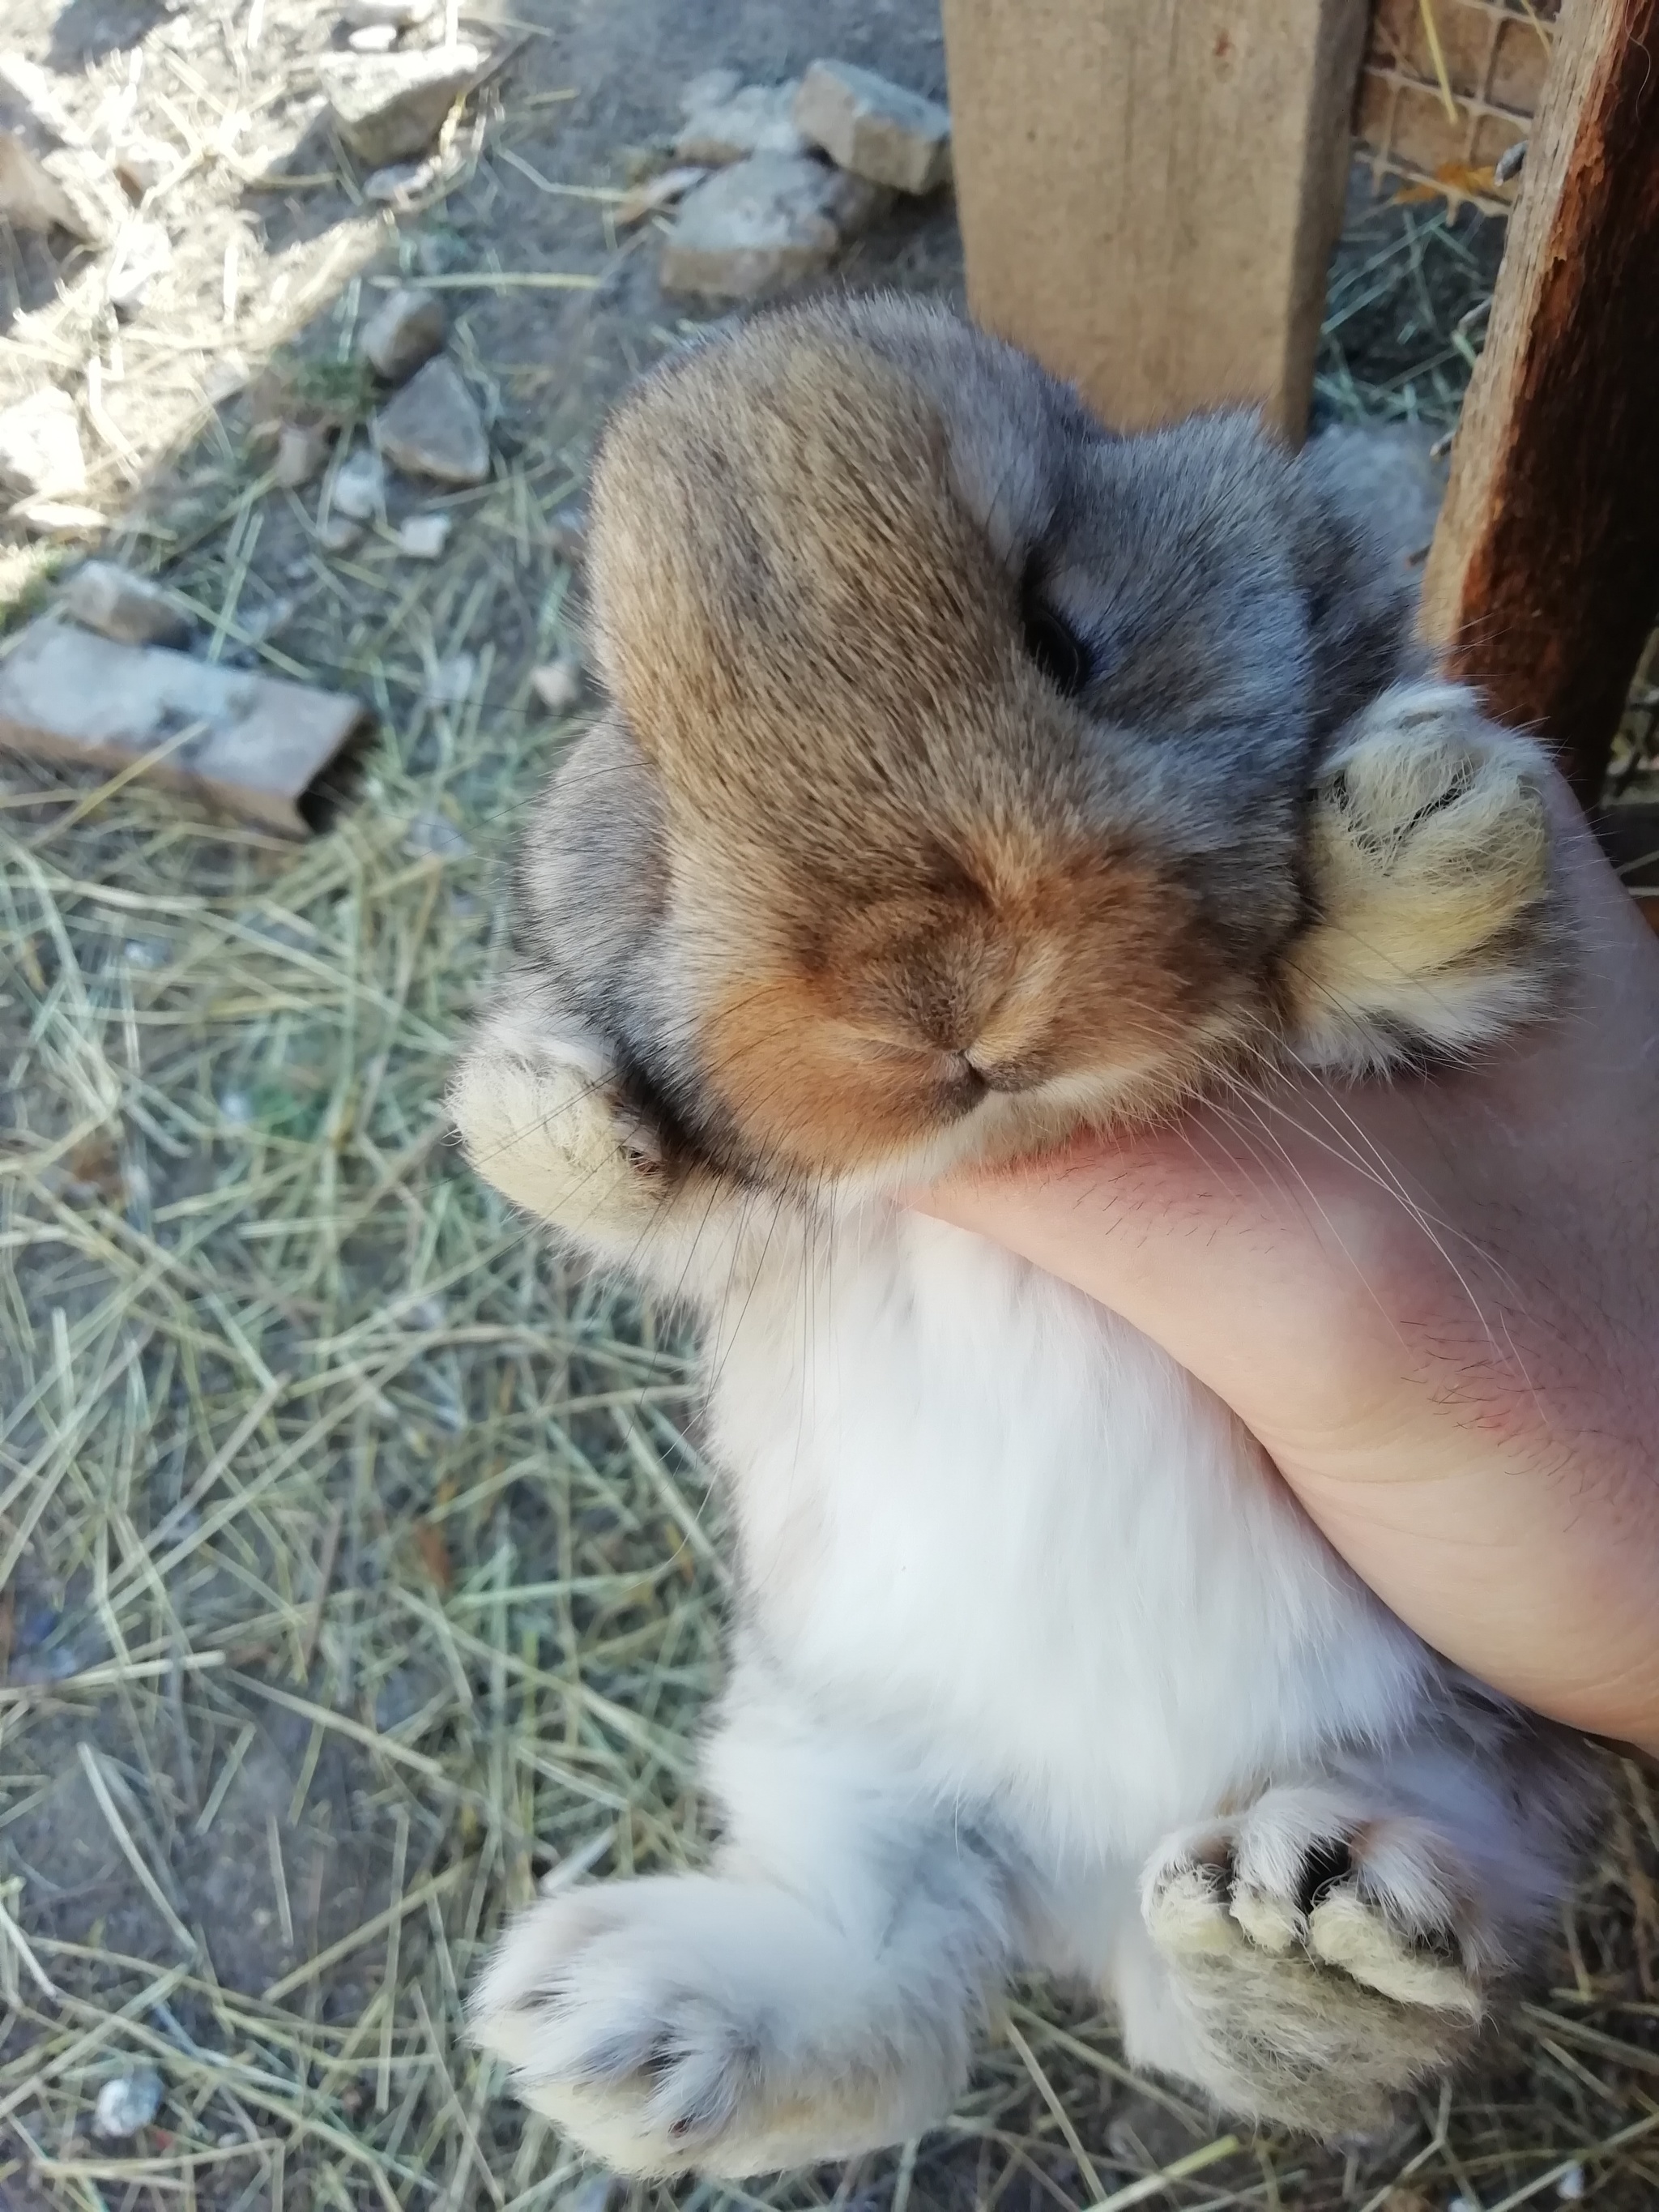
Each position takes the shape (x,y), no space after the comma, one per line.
(988,1520)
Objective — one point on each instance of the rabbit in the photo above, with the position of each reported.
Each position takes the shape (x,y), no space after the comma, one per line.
(971,776)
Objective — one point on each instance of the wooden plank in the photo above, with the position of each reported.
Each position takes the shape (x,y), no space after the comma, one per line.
(251,744)
(1149,190)
(1543,579)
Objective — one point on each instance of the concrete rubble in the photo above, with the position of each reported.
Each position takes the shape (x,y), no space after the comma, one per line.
(389,107)
(740,120)
(800,168)
(764,223)
(249,742)
(873,128)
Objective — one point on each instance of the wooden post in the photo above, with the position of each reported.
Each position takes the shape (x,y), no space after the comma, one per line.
(1149,190)
(1543,579)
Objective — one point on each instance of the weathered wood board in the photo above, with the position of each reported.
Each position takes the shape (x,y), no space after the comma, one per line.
(1543,579)
(1150,190)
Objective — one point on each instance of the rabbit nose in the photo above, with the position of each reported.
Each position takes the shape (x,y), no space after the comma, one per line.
(998,1075)
(961,1086)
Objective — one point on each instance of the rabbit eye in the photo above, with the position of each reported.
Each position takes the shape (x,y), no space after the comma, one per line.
(1064,657)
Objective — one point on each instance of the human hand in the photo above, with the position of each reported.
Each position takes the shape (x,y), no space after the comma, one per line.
(1434,1301)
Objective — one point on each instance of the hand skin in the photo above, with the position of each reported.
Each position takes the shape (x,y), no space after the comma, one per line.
(1434,1301)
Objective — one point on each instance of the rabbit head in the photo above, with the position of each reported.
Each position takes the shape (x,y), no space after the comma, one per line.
(951,792)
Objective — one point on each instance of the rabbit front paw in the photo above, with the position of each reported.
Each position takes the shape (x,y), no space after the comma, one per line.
(544,1122)
(690,2021)
(1321,1959)
(1430,877)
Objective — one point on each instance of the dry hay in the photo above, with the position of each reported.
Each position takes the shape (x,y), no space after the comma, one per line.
(1406,311)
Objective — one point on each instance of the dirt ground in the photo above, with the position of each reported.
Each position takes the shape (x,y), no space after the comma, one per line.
(358,1563)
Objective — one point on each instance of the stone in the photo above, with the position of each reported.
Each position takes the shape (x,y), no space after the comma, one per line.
(433,428)
(764,223)
(873,128)
(302,453)
(402,15)
(558,686)
(141,164)
(66,694)
(103,596)
(373,39)
(757,118)
(389,107)
(406,330)
(40,455)
(423,536)
(358,490)
(50,176)
(656,194)
(128,2103)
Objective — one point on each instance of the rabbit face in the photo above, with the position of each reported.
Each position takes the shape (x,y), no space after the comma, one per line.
(952,795)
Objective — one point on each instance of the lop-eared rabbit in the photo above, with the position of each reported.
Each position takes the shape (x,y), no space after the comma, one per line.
(971,777)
